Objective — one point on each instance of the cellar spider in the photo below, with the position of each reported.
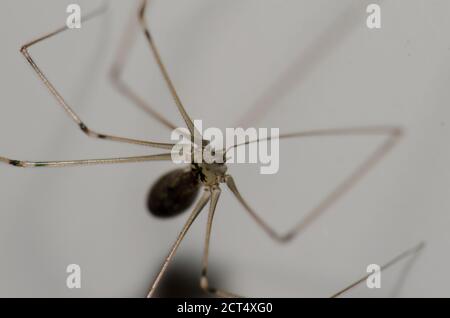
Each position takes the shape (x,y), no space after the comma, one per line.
(174,192)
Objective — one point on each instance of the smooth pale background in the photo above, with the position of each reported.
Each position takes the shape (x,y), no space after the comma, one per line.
(311,64)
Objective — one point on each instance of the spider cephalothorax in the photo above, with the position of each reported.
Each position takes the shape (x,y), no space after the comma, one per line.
(210,174)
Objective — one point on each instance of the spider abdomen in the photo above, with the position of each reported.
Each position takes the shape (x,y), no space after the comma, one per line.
(173,193)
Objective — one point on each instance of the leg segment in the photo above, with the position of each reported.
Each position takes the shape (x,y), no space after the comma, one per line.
(122,87)
(197,209)
(204,283)
(89,132)
(84,162)
(393,134)
(157,56)
(398,258)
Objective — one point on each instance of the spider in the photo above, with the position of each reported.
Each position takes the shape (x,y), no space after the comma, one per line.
(177,190)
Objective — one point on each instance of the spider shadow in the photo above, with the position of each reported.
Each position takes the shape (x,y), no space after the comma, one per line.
(307,62)
(182,280)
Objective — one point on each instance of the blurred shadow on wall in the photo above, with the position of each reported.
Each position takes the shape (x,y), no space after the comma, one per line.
(182,280)
(307,62)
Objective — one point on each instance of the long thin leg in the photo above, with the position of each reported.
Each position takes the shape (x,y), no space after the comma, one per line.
(400,282)
(197,209)
(84,162)
(157,56)
(393,133)
(215,194)
(89,132)
(398,258)
(116,76)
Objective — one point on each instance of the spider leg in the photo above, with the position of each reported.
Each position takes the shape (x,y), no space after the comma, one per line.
(196,211)
(116,72)
(416,249)
(84,128)
(204,283)
(84,162)
(142,20)
(393,134)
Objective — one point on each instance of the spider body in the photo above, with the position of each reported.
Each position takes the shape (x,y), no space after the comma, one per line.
(175,191)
